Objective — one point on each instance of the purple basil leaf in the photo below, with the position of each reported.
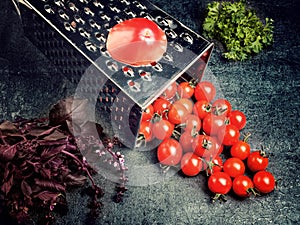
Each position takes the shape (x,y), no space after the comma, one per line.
(47,132)
(75,180)
(26,189)
(52,151)
(7,153)
(6,186)
(52,185)
(47,195)
(45,173)
(8,127)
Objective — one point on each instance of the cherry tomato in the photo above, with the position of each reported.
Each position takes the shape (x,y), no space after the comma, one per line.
(177,113)
(202,108)
(143,38)
(237,118)
(264,181)
(187,103)
(170,92)
(169,152)
(257,160)
(219,147)
(204,146)
(229,135)
(234,167)
(161,106)
(186,140)
(192,123)
(221,107)
(205,90)
(148,113)
(219,183)
(242,186)
(185,90)
(214,165)
(145,130)
(191,164)
(240,149)
(212,124)
(162,129)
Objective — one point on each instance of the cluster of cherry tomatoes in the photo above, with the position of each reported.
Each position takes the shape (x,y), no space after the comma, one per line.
(198,131)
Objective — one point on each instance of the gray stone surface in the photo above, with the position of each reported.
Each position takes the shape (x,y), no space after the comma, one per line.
(266,88)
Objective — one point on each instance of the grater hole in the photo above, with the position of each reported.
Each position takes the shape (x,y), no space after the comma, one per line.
(104,16)
(113,8)
(94,24)
(49,9)
(100,37)
(171,33)
(97,3)
(157,66)
(73,7)
(130,13)
(84,1)
(88,11)
(161,21)
(139,5)
(177,47)
(78,19)
(59,3)
(126,2)
(187,37)
(145,75)
(113,66)
(128,72)
(90,46)
(63,15)
(70,27)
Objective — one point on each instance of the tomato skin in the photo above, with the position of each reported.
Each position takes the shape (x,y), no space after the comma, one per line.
(240,150)
(212,124)
(187,103)
(215,165)
(221,107)
(186,140)
(161,106)
(185,90)
(169,152)
(242,186)
(238,119)
(204,146)
(192,123)
(234,167)
(145,130)
(162,129)
(148,113)
(191,164)
(177,113)
(257,160)
(170,92)
(205,90)
(264,181)
(229,135)
(143,38)
(202,108)
(219,183)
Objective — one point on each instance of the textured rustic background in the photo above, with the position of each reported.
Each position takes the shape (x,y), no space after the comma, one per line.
(266,88)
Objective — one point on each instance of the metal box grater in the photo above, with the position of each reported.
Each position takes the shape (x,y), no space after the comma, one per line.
(73,35)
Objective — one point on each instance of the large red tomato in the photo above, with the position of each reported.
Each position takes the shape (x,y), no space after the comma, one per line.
(137,42)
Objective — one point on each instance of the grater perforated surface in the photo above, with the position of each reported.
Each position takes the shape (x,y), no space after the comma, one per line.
(86,23)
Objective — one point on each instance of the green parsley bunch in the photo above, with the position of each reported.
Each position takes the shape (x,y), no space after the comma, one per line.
(238,28)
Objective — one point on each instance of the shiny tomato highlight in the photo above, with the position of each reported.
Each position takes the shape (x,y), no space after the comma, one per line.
(137,42)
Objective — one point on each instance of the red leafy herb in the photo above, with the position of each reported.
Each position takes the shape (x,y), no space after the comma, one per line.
(40,159)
